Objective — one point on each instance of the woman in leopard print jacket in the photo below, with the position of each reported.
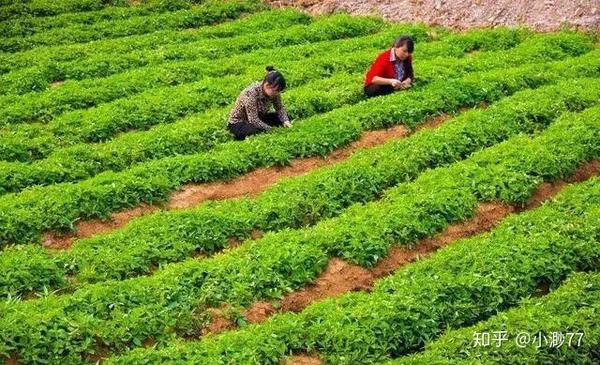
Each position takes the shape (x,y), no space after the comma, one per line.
(250,114)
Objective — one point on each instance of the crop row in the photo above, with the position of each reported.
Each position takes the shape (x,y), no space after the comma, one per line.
(149,42)
(195,133)
(39,77)
(28,25)
(25,215)
(47,105)
(70,164)
(570,311)
(333,56)
(39,8)
(121,315)
(34,141)
(323,28)
(210,12)
(173,236)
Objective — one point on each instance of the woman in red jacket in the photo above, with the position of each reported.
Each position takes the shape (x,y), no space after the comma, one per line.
(392,70)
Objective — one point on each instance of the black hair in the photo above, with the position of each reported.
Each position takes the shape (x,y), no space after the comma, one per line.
(405,40)
(275,78)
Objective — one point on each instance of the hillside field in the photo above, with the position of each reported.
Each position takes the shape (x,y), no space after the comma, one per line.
(455,222)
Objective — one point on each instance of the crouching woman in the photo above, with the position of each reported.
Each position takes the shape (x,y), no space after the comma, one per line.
(392,69)
(251,115)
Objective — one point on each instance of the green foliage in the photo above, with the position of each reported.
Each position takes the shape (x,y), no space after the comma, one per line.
(75,75)
(210,12)
(27,214)
(572,308)
(459,285)
(117,312)
(315,97)
(36,141)
(150,42)
(105,60)
(18,9)
(173,236)
(28,25)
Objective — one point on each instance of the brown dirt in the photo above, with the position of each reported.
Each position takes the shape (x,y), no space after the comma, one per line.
(219,322)
(259,311)
(94,227)
(249,184)
(303,360)
(235,242)
(541,15)
(341,277)
(486,217)
(11,360)
(582,173)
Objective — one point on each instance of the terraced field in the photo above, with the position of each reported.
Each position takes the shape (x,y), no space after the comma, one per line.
(393,230)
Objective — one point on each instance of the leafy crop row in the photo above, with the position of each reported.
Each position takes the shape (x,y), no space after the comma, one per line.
(210,12)
(46,105)
(571,310)
(28,25)
(36,8)
(149,42)
(459,285)
(104,64)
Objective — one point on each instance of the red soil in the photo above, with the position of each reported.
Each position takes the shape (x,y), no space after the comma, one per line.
(582,173)
(219,322)
(260,179)
(11,360)
(96,226)
(303,360)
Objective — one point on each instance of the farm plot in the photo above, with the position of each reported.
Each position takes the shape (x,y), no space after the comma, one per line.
(134,229)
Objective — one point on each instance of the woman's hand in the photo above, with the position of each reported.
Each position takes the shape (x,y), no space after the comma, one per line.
(396,84)
(406,84)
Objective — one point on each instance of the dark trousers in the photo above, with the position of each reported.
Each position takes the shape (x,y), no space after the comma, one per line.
(377,90)
(241,130)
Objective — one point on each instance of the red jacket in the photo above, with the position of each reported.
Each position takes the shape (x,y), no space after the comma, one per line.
(383,66)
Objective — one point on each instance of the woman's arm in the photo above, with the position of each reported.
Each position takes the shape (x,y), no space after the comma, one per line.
(378,80)
(280,109)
